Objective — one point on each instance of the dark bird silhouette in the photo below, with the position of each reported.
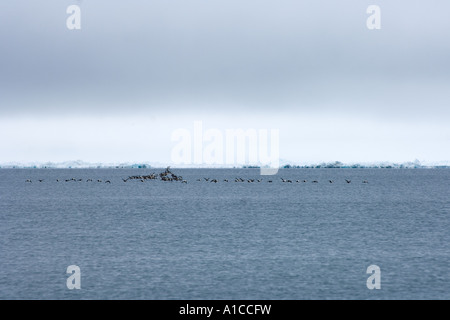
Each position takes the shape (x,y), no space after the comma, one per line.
(28,180)
(107,181)
(365,181)
(348,181)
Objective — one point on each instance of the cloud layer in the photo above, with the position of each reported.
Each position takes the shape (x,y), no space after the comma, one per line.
(198,59)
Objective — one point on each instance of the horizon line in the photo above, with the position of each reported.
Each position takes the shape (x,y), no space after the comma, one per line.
(79,164)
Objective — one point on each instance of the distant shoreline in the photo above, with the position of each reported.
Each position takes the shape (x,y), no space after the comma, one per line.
(283,164)
(215,168)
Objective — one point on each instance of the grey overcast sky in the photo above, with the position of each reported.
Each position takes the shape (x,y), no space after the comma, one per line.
(139,69)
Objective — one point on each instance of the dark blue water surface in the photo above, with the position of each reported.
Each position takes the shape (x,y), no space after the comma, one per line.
(202,240)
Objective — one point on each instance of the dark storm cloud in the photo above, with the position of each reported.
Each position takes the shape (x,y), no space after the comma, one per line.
(212,55)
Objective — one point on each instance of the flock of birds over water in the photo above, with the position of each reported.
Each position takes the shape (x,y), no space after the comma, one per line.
(168,175)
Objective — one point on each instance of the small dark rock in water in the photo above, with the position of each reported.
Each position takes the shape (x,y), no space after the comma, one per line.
(166,175)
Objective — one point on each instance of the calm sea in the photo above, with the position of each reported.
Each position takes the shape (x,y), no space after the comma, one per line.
(202,240)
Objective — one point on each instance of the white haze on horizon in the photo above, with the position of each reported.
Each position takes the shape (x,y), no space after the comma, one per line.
(147,139)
